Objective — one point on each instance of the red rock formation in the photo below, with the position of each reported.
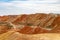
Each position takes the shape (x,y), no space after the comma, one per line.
(34,23)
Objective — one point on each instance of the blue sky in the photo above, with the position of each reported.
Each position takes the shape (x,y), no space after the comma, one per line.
(29,6)
(5,0)
(12,0)
(58,1)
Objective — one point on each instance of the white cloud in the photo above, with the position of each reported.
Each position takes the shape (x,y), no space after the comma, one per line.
(27,7)
(36,0)
(50,0)
(44,2)
(5,4)
(40,7)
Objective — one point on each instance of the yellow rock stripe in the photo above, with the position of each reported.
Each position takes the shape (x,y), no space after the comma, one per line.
(11,35)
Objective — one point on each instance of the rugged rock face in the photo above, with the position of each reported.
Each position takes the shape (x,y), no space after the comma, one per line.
(4,27)
(12,35)
(34,23)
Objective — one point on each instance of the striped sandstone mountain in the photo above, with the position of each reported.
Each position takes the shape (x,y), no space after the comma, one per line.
(34,23)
